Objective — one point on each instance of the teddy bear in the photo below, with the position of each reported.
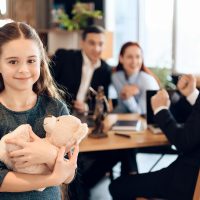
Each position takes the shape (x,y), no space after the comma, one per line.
(59,130)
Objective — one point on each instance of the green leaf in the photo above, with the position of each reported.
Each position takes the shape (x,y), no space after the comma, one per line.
(80,17)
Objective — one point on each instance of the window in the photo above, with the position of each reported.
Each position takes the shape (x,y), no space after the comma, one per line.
(2,7)
(122,20)
(139,20)
(155,32)
(168,31)
(188,37)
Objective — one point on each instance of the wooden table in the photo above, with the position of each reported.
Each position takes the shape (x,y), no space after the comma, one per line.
(143,138)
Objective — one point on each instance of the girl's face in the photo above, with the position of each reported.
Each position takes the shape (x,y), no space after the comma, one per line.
(20,64)
(131,60)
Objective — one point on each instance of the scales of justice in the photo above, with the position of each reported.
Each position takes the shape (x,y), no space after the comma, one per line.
(101,109)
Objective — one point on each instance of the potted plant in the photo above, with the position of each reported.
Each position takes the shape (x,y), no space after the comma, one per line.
(81,14)
(164,76)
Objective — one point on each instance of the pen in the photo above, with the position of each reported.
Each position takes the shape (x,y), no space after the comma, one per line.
(122,135)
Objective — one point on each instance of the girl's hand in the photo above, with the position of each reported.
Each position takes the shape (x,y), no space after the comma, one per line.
(38,151)
(64,169)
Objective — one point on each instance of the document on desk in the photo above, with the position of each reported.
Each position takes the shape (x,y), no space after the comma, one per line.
(126,125)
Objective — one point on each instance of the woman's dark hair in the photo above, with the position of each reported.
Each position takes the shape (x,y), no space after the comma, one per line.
(16,30)
(122,51)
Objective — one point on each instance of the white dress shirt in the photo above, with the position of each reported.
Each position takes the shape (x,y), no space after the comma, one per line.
(87,72)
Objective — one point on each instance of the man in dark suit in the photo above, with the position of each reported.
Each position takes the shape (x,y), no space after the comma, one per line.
(178,180)
(77,70)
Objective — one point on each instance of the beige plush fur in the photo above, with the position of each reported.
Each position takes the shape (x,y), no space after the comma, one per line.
(59,131)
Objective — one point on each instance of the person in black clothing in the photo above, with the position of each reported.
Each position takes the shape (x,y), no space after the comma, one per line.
(178,180)
(76,70)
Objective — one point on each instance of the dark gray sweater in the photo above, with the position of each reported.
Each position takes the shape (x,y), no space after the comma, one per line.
(9,120)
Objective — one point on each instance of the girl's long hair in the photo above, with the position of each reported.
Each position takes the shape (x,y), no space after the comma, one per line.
(45,84)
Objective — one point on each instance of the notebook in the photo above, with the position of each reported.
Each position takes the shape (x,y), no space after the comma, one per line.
(126,125)
(179,108)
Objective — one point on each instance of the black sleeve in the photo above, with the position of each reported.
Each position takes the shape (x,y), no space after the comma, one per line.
(56,64)
(181,109)
(106,77)
(185,137)
(108,82)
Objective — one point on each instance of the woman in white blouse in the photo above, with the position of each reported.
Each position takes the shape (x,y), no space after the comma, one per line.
(132,79)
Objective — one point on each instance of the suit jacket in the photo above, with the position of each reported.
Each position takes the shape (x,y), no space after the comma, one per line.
(186,138)
(67,71)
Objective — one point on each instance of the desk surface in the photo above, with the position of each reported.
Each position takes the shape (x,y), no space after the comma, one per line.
(143,138)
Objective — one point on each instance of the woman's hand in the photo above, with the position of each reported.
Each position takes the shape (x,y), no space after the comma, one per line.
(129,91)
(65,169)
(37,151)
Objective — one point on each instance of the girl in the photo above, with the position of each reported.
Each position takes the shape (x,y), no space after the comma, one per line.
(27,95)
(132,79)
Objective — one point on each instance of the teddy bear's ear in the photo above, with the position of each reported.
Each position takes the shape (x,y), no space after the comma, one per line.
(49,124)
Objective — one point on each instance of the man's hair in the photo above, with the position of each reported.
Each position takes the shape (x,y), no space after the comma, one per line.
(92,29)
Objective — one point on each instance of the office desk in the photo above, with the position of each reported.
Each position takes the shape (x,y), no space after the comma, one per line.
(143,138)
